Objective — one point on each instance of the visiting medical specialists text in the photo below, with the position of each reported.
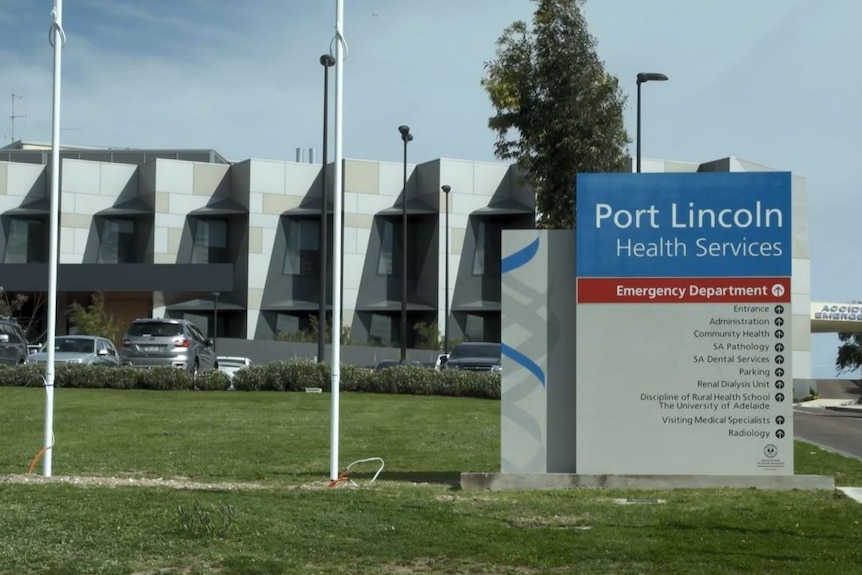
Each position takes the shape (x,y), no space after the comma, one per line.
(692,217)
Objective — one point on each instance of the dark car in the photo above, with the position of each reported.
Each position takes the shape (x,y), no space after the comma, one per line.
(167,342)
(475,356)
(13,343)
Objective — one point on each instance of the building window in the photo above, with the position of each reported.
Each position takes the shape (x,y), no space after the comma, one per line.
(117,244)
(25,241)
(210,241)
(302,255)
(389,252)
(380,330)
(389,261)
(486,258)
(295,327)
(479,254)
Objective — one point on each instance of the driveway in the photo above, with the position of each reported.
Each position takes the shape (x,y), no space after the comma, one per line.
(839,431)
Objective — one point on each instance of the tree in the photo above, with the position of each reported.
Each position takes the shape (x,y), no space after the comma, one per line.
(849,352)
(24,309)
(557,111)
(94,319)
(428,336)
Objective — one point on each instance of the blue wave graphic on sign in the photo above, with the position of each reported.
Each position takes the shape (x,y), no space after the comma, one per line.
(524,361)
(520,257)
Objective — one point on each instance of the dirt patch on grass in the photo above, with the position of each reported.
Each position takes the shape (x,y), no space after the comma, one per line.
(96,481)
(551,522)
(187,483)
(473,498)
(433,566)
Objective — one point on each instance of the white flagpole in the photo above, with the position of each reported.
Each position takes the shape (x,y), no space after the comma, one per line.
(57,39)
(335,371)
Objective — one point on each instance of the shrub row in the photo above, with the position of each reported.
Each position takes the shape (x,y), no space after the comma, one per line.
(95,377)
(293,375)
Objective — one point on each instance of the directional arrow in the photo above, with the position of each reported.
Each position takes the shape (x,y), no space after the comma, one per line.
(779,434)
(779,384)
(779,321)
(779,372)
(779,396)
(779,359)
(779,347)
(779,420)
(779,333)
(779,309)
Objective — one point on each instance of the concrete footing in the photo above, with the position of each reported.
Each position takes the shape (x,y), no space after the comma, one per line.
(538,481)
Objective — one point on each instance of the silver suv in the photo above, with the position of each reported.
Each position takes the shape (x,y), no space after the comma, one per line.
(167,342)
(13,344)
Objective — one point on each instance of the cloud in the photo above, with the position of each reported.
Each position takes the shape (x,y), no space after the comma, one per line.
(247,80)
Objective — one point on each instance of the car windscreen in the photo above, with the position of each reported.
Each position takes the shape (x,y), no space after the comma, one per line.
(74,345)
(155,329)
(490,350)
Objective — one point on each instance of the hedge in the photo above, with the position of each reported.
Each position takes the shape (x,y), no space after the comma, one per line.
(292,375)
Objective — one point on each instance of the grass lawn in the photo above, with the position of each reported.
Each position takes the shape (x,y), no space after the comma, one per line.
(410,521)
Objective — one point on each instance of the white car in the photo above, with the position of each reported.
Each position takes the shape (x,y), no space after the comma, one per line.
(230,364)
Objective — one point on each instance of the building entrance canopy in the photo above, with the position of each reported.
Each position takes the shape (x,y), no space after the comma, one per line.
(836,317)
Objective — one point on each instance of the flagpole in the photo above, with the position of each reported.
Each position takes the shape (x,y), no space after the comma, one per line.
(57,39)
(335,368)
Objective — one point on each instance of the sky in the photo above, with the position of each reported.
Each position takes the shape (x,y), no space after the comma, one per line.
(774,82)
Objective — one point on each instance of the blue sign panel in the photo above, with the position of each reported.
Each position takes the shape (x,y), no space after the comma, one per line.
(684,225)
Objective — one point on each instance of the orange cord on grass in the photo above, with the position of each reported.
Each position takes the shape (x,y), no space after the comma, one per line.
(341,477)
(37,458)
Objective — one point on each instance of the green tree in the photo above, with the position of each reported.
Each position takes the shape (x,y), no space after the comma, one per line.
(24,309)
(557,111)
(94,319)
(428,336)
(849,352)
(310,335)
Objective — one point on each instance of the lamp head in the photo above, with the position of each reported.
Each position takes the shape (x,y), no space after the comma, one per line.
(405,133)
(446,189)
(651,77)
(326,61)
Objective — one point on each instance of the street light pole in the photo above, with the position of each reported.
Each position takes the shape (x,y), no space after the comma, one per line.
(326,61)
(406,137)
(641,78)
(215,323)
(446,190)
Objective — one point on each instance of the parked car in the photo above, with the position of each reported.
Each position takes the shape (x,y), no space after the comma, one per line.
(475,356)
(167,342)
(84,349)
(230,364)
(13,343)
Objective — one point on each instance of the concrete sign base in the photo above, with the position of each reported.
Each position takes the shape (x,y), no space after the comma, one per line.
(539,481)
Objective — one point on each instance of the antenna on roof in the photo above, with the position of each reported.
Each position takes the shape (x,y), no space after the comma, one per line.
(13,115)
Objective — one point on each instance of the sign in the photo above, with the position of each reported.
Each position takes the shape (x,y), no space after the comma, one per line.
(683,322)
(837,311)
